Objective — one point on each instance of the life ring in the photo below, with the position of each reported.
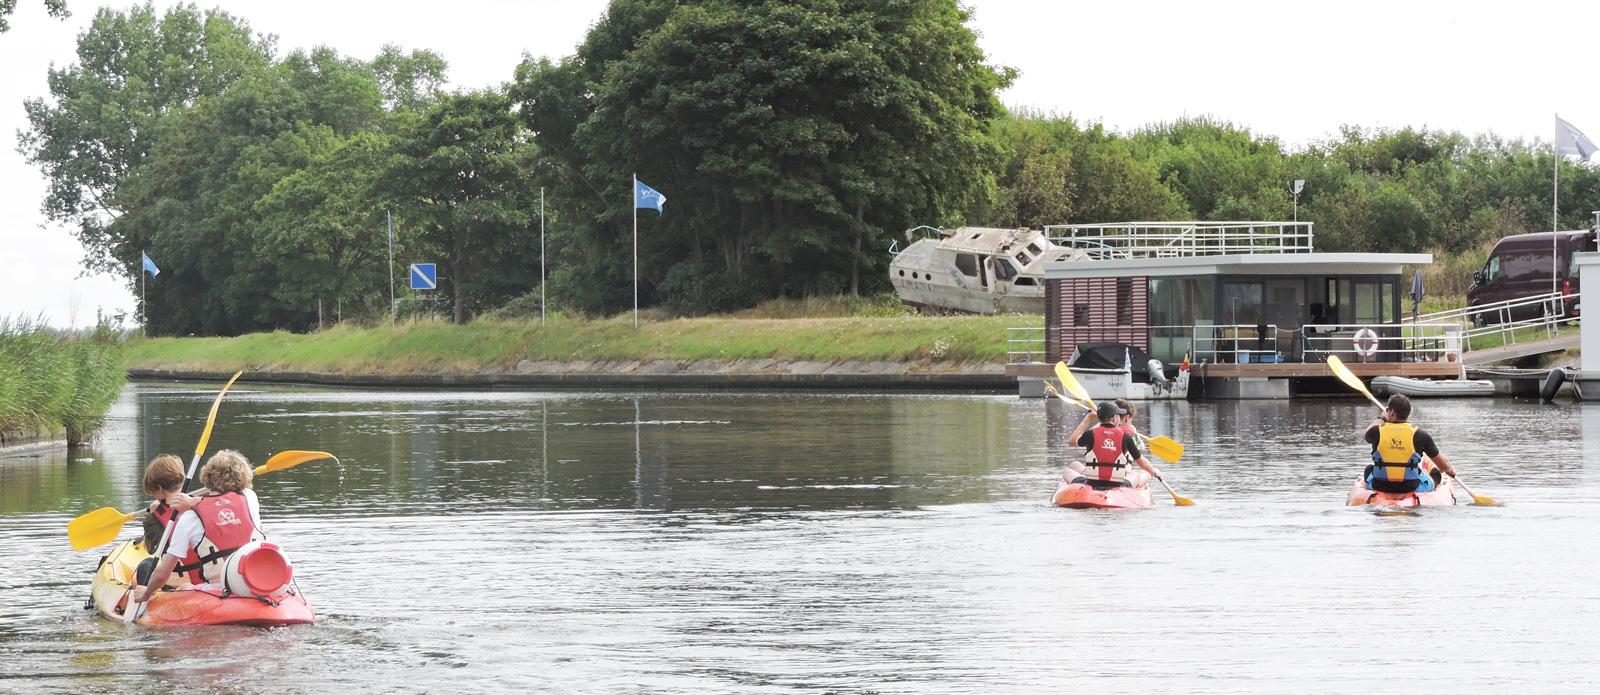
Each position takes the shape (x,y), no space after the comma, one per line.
(1365,342)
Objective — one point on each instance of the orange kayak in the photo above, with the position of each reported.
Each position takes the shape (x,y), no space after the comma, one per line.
(1441,496)
(1081,496)
(189,604)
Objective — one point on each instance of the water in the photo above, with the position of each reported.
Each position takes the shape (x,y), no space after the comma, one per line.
(802,543)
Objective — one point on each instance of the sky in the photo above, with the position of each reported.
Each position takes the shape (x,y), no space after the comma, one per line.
(1292,70)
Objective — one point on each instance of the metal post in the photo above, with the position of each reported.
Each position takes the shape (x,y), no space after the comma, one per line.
(393,313)
(633,201)
(1555,215)
(541,256)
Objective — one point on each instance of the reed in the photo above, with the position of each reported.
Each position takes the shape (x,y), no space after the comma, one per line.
(54,383)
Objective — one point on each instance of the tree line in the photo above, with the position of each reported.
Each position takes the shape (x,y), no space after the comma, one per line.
(794,140)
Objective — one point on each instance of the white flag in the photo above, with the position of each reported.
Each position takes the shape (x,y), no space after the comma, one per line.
(1570,140)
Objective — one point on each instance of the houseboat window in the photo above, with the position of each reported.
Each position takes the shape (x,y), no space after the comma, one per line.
(1025,280)
(1124,301)
(968,264)
(1003,269)
(1034,249)
(1022,258)
(1080,315)
(1177,306)
(1241,303)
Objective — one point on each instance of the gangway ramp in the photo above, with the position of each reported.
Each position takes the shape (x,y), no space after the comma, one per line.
(1515,351)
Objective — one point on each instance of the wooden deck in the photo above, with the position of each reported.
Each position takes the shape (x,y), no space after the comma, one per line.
(1293,370)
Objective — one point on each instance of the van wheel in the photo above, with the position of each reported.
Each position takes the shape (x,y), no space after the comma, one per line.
(1479,320)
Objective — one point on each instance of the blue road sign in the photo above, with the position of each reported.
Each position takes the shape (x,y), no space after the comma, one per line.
(424,276)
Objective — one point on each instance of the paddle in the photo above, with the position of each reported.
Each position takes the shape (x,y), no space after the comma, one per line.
(1353,381)
(199,449)
(1169,449)
(102,525)
(1071,383)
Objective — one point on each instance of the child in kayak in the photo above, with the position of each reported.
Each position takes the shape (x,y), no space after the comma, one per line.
(1404,457)
(223,520)
(1109,447)
(163,482)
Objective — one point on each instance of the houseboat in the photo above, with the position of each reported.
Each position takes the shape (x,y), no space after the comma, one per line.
(1251,305)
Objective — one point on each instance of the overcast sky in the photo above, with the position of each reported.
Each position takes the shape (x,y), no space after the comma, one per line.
(1294,70)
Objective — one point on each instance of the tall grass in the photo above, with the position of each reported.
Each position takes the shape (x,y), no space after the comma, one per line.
(53,384)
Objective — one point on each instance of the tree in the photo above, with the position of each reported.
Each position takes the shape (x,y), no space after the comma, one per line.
(794,140)
(133,69)
(56,8)
(462,168)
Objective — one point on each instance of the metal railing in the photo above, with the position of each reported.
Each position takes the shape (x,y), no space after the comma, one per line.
(1268,344)
(1176,239)
(1546,314)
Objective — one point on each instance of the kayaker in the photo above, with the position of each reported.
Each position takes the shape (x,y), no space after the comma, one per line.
(1404,457)
(223,520)
(1109,447)
(163,482)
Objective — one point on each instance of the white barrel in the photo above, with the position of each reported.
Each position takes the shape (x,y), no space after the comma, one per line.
(257,569)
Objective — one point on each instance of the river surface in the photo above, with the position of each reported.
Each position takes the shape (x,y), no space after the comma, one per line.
(800,543)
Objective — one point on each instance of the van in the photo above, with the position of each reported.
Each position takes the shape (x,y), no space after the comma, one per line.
(1520,267)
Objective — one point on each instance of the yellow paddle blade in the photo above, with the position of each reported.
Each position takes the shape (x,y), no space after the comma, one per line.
(1169,449)
(1070,401)
(1350,379)
(1477,499)
(1177,499)
(1071,383)
(289,459)
(205,435)
(98,527)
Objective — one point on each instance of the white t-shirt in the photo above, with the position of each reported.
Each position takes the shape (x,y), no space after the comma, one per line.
(188,531)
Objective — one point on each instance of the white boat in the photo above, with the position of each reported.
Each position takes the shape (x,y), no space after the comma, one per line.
(976,270)
(1151,381)
(1432,388)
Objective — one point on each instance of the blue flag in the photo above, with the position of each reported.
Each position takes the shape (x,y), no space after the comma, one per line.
(149,265)
(647,197)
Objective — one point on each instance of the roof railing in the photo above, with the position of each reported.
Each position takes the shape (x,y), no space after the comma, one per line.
(1180,239)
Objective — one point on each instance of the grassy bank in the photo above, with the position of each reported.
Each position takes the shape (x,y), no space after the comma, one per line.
(54,385)
(430,347)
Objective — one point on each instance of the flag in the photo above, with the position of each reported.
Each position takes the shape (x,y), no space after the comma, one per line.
(1185,366)
(1570,140)
(149,265)
(647,197)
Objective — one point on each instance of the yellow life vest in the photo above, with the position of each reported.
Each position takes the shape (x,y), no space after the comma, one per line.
(1395,457)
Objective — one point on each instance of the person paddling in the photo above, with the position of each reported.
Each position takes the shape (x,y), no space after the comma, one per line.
(1404,457)
(1109,446)
(163,482)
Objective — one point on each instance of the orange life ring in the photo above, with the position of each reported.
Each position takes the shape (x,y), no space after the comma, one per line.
(1365,343)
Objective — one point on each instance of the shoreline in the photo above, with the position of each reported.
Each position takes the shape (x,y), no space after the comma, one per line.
(745,375)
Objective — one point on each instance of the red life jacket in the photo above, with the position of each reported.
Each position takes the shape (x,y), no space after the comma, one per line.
(164,513)
(228,527)
(1107,454)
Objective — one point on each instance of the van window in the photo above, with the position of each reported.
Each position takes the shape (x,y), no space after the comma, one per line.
(1525,266)
(1491,270)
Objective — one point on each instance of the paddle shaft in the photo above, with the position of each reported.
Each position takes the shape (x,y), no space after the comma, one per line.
(199,449)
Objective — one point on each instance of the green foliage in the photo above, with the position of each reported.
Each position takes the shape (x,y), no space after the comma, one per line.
(51,384)
(793,140)
(56,8)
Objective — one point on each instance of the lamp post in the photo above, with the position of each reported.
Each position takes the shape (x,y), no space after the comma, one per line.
(1294,190)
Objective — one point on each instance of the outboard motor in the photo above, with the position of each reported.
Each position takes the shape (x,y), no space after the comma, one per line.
(1158,375)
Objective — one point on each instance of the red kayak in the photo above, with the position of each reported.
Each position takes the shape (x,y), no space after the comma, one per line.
(1441,496)
(1082,496)
(189,604)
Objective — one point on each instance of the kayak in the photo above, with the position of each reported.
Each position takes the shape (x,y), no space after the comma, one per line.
(189,604)
(1442,496)
(1081,496)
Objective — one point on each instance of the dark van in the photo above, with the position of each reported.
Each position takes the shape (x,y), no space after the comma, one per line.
(1520,266)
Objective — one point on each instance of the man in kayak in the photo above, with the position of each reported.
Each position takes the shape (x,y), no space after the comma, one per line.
(1404,457)
(1109,447)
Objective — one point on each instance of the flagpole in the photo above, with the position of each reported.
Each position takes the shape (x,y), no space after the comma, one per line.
(1555,211)
(393,312)
(634,194)
(541,256)
(144,309)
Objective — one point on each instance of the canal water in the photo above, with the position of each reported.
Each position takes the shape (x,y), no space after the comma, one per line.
(802,543)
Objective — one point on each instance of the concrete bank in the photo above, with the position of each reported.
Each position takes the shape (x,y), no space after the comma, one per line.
(847,375)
